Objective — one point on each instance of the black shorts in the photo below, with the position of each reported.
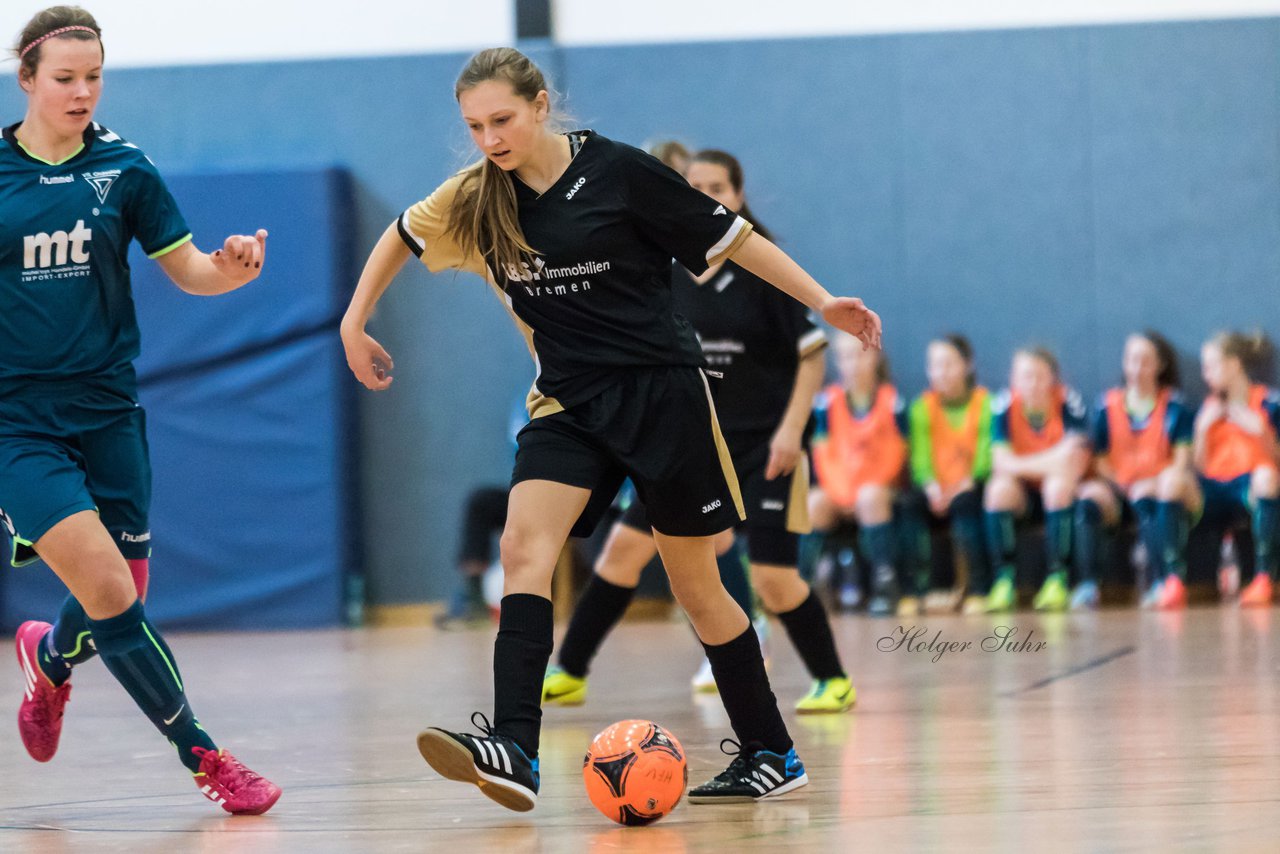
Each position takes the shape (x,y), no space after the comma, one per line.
(658,427)
(777,510)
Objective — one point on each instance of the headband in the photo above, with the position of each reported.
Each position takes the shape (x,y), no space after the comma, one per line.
(57,32)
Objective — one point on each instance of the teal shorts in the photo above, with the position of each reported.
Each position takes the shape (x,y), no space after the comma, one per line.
(66,447)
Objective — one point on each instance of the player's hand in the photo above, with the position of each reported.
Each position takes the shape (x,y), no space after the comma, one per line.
(784,454)
(851,315)
(241,257)
(367,360)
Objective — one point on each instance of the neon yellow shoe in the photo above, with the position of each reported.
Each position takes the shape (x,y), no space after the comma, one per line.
(1003,596)
(563,689)
(828,696)
(1054,594)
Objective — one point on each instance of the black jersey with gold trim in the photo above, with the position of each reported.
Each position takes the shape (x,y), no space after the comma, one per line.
(598,297)
(752,333)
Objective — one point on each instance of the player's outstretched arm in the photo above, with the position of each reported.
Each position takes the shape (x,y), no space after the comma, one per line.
(367,359)
(770,263)
(237,263)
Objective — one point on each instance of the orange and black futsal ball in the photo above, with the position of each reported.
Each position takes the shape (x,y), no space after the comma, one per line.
(635,772)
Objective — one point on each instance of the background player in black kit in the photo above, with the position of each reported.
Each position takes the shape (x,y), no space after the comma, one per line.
(771,356)
(576,233)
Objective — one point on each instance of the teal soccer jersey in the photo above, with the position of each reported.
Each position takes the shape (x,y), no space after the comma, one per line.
(66,306)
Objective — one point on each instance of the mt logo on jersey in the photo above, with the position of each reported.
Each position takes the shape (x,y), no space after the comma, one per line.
(53,250)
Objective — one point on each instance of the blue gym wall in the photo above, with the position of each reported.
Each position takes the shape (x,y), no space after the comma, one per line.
(1060,186)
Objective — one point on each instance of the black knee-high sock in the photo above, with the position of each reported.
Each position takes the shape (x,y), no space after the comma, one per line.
(520,657)
(1002,539)
(1172,525)
(138,658)
(736,578)
(598,610)
(1057,536)
(1088,533)
(744,689)
(1149,534)
(810,630)
(966,527)
(1265,514)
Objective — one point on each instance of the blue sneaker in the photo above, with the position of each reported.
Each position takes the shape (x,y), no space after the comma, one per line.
(493,762)
(1086,596)
(753,775)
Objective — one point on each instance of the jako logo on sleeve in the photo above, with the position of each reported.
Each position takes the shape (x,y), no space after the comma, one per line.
(45,250)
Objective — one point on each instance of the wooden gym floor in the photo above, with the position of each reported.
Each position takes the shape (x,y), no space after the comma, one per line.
(1126,731)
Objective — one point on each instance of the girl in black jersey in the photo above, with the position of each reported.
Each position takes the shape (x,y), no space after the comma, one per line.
(576,233)
(771,356)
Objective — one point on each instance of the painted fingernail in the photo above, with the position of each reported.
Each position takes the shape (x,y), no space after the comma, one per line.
(246,263)
(257,264)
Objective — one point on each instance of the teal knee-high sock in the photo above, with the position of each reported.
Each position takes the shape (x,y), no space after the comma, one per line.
(1002,540)
(138,658)
(68,643)
(1266,511)
(877,544)
(1057,536)
(1172,524)
(1088,534)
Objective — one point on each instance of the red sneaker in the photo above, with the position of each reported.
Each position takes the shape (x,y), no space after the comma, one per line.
(1173,595)
(1258,593)
(40,715)
(230,785)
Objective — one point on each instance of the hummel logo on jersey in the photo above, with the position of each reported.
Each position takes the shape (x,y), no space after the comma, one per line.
(719,211)
(707,508)
(57,179)
(126,537)
(102,182)
(45,250)
(575,188)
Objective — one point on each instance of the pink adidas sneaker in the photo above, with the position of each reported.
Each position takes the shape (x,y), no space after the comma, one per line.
(230,785)
(40,715)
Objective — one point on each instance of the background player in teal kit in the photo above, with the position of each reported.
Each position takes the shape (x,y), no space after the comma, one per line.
(75,480)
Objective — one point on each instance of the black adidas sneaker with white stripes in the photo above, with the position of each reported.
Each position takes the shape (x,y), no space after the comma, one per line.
(494,763)
(753,775)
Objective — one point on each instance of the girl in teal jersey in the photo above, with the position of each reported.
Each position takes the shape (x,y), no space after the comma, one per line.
(74,474)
